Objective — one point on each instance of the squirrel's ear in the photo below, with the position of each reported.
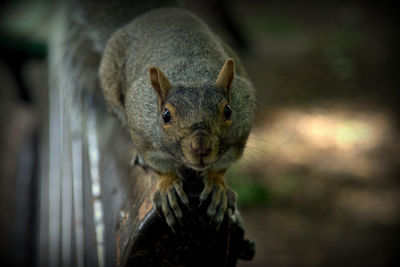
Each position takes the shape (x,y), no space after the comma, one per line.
(225,76)
(160,83)
(112,79)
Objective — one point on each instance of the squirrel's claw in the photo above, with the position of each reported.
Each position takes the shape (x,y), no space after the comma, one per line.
(231,198)
(208,187)
(182,195)
(222,199)
(227,204)
(166,202)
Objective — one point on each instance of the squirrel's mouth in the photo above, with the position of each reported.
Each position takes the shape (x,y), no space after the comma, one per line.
(201,165)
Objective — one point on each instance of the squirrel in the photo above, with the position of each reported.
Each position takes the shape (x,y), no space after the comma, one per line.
(181,92)
(173,83)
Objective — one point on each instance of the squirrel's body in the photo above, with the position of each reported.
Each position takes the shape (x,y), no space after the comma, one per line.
(190,55)
(173,84)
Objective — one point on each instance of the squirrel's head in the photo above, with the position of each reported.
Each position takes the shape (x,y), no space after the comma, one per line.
(195,121)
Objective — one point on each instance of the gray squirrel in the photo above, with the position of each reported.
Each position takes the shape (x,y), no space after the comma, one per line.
(179,90)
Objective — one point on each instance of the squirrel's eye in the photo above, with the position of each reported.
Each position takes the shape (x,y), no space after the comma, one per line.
(166,116)
(227,112)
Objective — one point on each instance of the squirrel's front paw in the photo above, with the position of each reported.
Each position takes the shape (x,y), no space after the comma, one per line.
(222,197)
(169,187)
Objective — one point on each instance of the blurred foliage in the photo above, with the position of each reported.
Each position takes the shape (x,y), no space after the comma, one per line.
(251,193)
(275,25)
(25,26)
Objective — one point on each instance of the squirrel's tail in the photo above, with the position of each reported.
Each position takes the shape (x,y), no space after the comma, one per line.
(79,34)
(100,18)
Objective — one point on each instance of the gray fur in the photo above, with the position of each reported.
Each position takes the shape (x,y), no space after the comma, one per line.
(190,56)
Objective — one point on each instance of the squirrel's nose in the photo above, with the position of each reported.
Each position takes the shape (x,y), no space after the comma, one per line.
(201,145)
